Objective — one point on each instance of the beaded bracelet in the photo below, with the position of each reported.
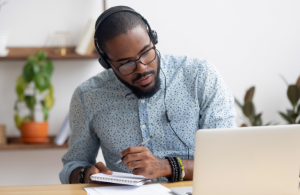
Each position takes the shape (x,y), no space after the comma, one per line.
(175,169)
(81,174)
(178,168)
(182,169)
(172,167)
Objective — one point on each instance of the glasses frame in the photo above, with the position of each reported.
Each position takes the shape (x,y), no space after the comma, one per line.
(135,61)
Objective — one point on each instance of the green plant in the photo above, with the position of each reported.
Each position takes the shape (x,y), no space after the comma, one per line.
(249,110)
(293,94)
(35,79)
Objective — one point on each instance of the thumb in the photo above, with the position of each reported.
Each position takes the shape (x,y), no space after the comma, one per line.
(103,169)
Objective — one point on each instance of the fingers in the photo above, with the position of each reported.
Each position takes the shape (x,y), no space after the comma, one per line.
(98,168)
(132,157)
(133,149)
(102,168)
(135,164)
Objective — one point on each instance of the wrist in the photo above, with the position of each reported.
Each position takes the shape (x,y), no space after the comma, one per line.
(166,168)
(86,175)
(82,175)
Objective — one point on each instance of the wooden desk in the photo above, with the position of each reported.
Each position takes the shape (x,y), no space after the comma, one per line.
(66,189)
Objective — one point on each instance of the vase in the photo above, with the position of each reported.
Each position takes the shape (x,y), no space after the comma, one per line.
(34,132)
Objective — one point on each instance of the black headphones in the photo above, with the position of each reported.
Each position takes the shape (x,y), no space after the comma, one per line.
(102,58)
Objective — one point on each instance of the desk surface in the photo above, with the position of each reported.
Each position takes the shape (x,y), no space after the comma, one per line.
(66,189)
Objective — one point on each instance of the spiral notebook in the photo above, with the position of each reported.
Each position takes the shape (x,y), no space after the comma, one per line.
(121,178)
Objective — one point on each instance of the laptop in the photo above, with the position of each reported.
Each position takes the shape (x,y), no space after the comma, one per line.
(246,161)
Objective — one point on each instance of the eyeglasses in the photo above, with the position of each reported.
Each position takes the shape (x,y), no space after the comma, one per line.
(146,58)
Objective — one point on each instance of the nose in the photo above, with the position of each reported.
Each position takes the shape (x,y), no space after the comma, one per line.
(140,68)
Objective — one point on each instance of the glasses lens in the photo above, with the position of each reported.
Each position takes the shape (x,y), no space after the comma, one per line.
(128,68)
(145,59)
(148,56)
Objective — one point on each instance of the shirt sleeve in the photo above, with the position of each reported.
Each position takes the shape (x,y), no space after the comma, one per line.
(83,142)
(215,99)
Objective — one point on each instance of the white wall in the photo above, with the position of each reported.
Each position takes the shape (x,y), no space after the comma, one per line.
(250,42)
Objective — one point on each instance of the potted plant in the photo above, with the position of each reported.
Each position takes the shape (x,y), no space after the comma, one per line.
(248,109)
(34,90)
(293,93)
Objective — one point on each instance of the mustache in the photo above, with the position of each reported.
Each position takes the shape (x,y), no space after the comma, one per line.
(143,75)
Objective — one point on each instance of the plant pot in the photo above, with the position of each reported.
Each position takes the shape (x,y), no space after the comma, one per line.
(34,132)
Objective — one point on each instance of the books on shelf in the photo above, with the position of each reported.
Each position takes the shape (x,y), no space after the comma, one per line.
(121,178)
(63,133)
(85,45)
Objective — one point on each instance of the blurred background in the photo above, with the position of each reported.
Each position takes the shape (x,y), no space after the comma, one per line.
(250,42)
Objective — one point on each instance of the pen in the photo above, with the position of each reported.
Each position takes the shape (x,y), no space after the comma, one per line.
(141,144)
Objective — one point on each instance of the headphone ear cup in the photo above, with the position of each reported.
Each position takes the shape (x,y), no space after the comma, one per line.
(103,63)
(154,36)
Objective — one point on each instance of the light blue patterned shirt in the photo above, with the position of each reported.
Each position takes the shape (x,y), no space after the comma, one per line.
(105,113)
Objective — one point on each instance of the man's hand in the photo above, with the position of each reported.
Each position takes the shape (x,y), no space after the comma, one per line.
(143,162)
(97,168)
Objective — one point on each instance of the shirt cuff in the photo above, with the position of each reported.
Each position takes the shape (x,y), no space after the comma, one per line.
(65,173)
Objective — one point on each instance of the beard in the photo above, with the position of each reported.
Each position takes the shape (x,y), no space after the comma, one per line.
(150,92)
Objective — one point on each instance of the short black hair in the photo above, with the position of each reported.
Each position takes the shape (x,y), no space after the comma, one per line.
(117,24)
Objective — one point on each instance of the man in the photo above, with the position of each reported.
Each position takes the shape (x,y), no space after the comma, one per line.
(121,107)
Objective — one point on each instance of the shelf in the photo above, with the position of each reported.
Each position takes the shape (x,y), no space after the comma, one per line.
(21,53)
(15,143)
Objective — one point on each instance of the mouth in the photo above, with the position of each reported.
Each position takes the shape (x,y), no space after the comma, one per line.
(145,80)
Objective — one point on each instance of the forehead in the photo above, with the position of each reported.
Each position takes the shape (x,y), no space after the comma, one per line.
(127,45)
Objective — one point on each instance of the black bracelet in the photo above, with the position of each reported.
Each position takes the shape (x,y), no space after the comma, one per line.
(179,168)
(176,169)
(81,174)
(174,172)
(171,179)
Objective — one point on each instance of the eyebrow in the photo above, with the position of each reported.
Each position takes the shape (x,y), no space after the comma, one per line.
(123,59)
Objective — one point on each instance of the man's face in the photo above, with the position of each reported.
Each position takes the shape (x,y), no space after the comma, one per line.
(129,47)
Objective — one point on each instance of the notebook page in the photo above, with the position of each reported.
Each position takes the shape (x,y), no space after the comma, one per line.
(148,189)
(91,191)
(122,178)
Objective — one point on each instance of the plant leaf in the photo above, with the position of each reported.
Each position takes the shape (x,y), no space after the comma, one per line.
(289,112)
(298,110)
(51,90)
(32,59)
(238,103)
(49,101)
(48,67)
(256,120)
(293,94)
(248,109)
(267,124)
(20,88)
(41,55)
(18,121)
(30,101)
(287,118)
(29,70)
(249,94)
(46,113)
(42,81)
(298,83)
(26,118)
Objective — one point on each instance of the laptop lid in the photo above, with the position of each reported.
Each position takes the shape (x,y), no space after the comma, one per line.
(249,160)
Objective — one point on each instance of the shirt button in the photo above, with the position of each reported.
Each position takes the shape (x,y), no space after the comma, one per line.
(143,101)
(143,126)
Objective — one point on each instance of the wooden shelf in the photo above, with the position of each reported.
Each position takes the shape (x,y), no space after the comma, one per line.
(21,53)
(15,143)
